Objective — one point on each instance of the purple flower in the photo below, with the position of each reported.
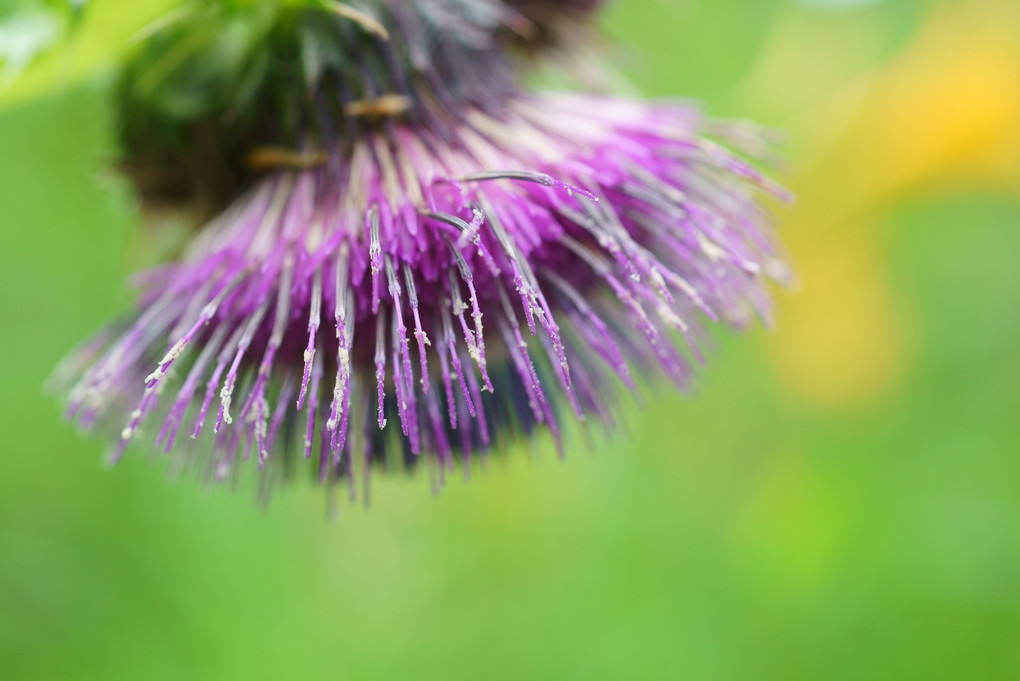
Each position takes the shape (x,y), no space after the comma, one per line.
(439,285)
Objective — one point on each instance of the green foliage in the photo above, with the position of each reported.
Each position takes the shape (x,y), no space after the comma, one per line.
(29,28)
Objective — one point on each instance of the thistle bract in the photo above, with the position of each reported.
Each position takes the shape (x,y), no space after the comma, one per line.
(429,282)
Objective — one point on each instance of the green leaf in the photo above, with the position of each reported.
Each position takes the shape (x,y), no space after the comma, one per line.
(48,45)
(23,37)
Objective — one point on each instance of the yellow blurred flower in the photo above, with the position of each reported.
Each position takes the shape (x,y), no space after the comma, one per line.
(942,115)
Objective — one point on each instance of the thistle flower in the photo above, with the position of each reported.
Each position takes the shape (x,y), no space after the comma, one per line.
(430,262)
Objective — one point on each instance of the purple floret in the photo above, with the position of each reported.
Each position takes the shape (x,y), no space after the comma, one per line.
(422,299)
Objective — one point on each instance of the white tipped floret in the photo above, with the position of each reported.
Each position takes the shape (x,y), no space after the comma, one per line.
(226,396)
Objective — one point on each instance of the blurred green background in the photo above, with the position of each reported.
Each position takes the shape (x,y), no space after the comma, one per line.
(839,500)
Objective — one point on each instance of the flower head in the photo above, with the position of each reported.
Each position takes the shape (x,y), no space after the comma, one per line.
(441,262)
